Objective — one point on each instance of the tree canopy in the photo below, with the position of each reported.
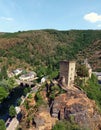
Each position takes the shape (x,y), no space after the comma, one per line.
(82,71)
(2,125)
(3,93)
(12,111)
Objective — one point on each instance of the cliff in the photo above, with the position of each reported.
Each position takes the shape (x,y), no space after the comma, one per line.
(75,105)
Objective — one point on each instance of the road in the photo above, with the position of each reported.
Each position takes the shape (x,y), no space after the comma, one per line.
(13,124)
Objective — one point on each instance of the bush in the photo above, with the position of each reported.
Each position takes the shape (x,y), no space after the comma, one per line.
(54,91)
(39,99)
(26,104)
(2,125)
(12,111)
(92,89)
(66,125)
(26,90)
(52,96)
(19,102)
(3,94)
(30,96)
(82,71)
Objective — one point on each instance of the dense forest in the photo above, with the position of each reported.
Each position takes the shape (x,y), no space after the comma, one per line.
(46,48)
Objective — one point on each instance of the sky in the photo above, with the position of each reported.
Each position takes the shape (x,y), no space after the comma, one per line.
(22,15)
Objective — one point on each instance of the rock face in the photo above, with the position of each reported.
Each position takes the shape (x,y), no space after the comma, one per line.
(75,105)
(43,120)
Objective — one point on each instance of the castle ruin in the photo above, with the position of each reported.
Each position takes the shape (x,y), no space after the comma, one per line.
(67,72)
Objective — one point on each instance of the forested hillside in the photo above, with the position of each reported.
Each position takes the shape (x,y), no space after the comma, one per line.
(46,48)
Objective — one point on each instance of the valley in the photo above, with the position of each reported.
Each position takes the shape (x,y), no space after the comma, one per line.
(54,101)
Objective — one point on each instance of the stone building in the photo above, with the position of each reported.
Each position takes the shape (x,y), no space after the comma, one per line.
(88,67)
(67,72)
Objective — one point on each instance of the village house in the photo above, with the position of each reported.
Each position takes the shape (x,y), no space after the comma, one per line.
(17,71)
(14,72)
(43,79)
(10,74)
(28,77)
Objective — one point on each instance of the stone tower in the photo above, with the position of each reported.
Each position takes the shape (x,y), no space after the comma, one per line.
(67,72)
(88,67)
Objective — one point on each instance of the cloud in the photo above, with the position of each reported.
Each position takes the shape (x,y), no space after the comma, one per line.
(99,25)
(92,17)
(6,19)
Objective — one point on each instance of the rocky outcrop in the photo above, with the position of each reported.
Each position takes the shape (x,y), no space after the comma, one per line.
(72,105)
(43,119)
(75,105)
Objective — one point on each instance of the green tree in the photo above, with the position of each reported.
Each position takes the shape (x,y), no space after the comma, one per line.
(41,71)
(11,83)
(39,99)
(3,94)
(82,71)
(19,102)
(26,104)
(65,125)
(26,90)
(3,72)
(92,88)
(12,111)
(2,125)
